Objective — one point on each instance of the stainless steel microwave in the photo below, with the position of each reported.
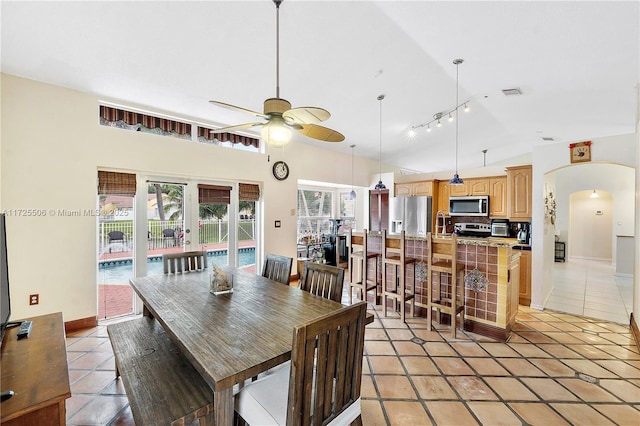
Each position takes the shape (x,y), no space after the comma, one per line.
(472,205)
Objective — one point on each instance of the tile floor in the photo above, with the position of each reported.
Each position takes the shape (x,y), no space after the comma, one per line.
(556,369)
(590,288)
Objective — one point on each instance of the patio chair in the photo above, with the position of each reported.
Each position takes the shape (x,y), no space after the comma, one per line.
(168,236)
(117,237)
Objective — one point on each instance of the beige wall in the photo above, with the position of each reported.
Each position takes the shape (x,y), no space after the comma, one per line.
(51,148)
(590,222)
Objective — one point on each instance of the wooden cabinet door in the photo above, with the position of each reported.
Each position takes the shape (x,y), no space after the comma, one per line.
(498,197)
(478,187)
(459,190)
(519,188)
(403,189)
(423,188)
(443,197)
(525,278)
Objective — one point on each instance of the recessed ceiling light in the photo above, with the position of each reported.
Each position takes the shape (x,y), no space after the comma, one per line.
(510,92)
(547,139)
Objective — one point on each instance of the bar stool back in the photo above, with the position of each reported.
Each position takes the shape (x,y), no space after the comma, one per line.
(359,257)
(394,255)
(448,298)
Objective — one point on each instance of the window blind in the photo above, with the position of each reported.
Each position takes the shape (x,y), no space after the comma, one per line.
(115,183)
(248,192)
(214,194)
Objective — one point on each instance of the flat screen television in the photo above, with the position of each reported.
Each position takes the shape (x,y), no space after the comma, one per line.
(5,302)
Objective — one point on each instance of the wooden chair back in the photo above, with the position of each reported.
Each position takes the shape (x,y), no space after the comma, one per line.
(277,268)
(358,242)
(177,263)
(442,253)
(323,280)
(394,249)
(326,366)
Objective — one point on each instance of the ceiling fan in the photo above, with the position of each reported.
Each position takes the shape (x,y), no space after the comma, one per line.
(280,118)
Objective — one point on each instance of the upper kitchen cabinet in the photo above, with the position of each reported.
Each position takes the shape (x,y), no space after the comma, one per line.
(498,197)
(378,209)
(442,201)
(417,189)
(471,186)
(519,189)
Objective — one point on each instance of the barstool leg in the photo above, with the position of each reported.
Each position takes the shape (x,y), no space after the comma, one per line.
(384,288)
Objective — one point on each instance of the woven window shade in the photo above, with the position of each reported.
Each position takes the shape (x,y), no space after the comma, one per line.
(248,192)
(114,183)
(214,194)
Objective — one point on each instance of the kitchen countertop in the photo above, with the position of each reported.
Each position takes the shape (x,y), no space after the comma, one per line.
(479,241)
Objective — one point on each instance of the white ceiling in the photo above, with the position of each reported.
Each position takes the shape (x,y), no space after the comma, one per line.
(576,62)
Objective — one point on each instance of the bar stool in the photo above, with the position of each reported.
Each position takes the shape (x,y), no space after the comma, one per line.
(394,254)
(449,298)
(359,257)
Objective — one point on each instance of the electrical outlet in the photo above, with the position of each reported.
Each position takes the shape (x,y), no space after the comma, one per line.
(34,299)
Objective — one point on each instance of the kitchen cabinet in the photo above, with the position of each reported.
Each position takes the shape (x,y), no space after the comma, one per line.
(479,186)
(519,189)
(515,268)
(459,190)
(378,209)
(498,197)
(417,189)
(443,197)
(525,278)
(471,186)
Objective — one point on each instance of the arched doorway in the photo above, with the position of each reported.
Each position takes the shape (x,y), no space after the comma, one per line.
(587,284)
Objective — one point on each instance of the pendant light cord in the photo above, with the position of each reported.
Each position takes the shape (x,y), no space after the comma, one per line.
(380,98)
(457,79)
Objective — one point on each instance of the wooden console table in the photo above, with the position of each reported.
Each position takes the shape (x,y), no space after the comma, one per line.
(35,368)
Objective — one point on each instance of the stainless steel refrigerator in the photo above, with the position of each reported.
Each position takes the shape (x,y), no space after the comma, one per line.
(413,214)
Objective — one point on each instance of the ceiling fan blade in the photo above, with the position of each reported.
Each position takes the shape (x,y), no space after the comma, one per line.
(306,115)
(237,108)
(321,133)
(237,127)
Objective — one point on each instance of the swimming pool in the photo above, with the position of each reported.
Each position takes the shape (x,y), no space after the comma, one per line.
(119,271)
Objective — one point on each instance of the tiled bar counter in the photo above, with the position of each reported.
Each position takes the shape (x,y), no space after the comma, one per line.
(491,302)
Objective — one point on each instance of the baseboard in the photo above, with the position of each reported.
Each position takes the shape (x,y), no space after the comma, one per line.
(80,324)
(635,331)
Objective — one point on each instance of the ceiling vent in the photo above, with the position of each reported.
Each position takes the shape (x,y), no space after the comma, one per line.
(511,92)
(548,139)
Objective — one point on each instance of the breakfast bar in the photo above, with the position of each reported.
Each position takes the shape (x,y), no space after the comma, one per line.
(491,276)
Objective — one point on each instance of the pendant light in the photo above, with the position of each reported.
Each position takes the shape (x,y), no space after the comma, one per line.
(380,185)
(594,194)
(455,180)
(352,194)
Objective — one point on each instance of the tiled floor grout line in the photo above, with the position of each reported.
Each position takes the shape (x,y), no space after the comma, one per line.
(571,344)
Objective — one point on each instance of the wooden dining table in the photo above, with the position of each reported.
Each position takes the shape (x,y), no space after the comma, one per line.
(229,337)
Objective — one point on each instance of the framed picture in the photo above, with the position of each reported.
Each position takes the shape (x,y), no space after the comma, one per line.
(580,152)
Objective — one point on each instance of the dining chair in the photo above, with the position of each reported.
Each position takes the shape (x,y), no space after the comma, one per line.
(359,257)
(323,280)
(176,263)
(321,384)
(277,268)
(394,254)
(447,297)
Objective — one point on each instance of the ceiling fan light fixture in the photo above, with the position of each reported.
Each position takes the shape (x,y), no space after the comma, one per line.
(276,132)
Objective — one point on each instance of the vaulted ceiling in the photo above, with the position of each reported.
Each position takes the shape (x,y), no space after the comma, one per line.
(575,62)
